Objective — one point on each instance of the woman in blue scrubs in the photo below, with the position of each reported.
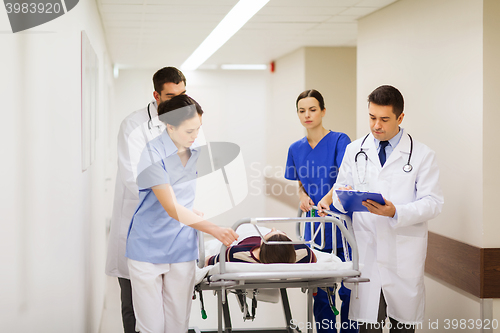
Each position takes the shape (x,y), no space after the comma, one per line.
(162,240)
(314,162)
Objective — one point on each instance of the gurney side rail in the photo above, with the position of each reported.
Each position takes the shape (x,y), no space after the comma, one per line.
(347,234)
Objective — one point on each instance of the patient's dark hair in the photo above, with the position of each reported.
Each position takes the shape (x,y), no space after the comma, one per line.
(278,253)
(184,106)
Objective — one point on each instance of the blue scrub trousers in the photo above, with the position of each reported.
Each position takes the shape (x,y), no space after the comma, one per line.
(323,314)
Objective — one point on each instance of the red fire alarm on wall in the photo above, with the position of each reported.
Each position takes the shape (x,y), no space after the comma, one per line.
(271,66)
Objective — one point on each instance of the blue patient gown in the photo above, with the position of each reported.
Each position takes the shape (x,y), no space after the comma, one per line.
(317,170)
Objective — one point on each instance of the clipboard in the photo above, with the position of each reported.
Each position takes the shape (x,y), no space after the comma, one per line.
(352,200)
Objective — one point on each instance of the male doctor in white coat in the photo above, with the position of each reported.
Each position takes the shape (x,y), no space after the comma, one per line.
(135,131)
(392,238)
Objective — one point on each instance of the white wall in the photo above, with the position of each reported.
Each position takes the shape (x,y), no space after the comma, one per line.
(283,125)
(491,119)
(54,216)
(433,52)
(332,71)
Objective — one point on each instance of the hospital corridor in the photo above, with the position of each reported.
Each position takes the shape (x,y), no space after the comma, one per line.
(339,158)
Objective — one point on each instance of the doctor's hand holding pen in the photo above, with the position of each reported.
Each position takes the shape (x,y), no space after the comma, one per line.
(327,200)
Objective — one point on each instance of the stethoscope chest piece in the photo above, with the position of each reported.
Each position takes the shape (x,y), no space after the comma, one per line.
(407,168)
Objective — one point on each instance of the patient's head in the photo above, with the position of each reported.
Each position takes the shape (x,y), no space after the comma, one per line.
(278,253)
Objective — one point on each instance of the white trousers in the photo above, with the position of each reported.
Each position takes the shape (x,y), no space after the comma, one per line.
(161,294)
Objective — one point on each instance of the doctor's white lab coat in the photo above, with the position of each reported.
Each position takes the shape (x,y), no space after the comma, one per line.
(134,133)
(392,251)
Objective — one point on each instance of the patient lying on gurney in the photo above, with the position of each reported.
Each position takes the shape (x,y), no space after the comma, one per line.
(252,249)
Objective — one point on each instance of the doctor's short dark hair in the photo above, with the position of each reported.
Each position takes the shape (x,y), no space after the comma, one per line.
(311,93)
(167,75)
(277,253)
(178,109)
(388,95)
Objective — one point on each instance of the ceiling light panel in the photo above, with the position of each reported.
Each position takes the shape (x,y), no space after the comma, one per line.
(232,22)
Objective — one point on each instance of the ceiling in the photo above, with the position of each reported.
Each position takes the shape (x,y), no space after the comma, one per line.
(157,33)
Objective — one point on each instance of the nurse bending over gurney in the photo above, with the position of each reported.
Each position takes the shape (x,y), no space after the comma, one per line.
(162,238)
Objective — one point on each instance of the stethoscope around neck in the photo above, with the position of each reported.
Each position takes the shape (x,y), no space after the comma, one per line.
(150,122)
(406,168)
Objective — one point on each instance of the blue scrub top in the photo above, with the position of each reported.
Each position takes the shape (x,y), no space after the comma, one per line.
(153,235)
(317,170)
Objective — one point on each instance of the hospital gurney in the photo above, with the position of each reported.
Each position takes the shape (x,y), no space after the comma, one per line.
(243,277)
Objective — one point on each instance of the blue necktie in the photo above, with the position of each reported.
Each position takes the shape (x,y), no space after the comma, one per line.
(381,153)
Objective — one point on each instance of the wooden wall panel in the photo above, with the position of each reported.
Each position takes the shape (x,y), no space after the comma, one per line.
(454,262)
(470,268)
(490,284)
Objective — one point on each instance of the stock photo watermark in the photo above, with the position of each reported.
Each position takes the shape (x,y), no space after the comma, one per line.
(437,324)
(27,14)
(258,172)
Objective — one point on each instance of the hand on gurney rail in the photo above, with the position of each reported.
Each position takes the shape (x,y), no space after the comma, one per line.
(306,202)
(225,235)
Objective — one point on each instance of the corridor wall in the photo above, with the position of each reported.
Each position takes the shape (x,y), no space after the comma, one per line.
(54,214)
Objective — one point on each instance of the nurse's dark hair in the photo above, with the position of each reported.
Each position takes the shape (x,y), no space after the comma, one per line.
(311,93)
(167,75)
(277,253)
(388,95)
(178,109)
